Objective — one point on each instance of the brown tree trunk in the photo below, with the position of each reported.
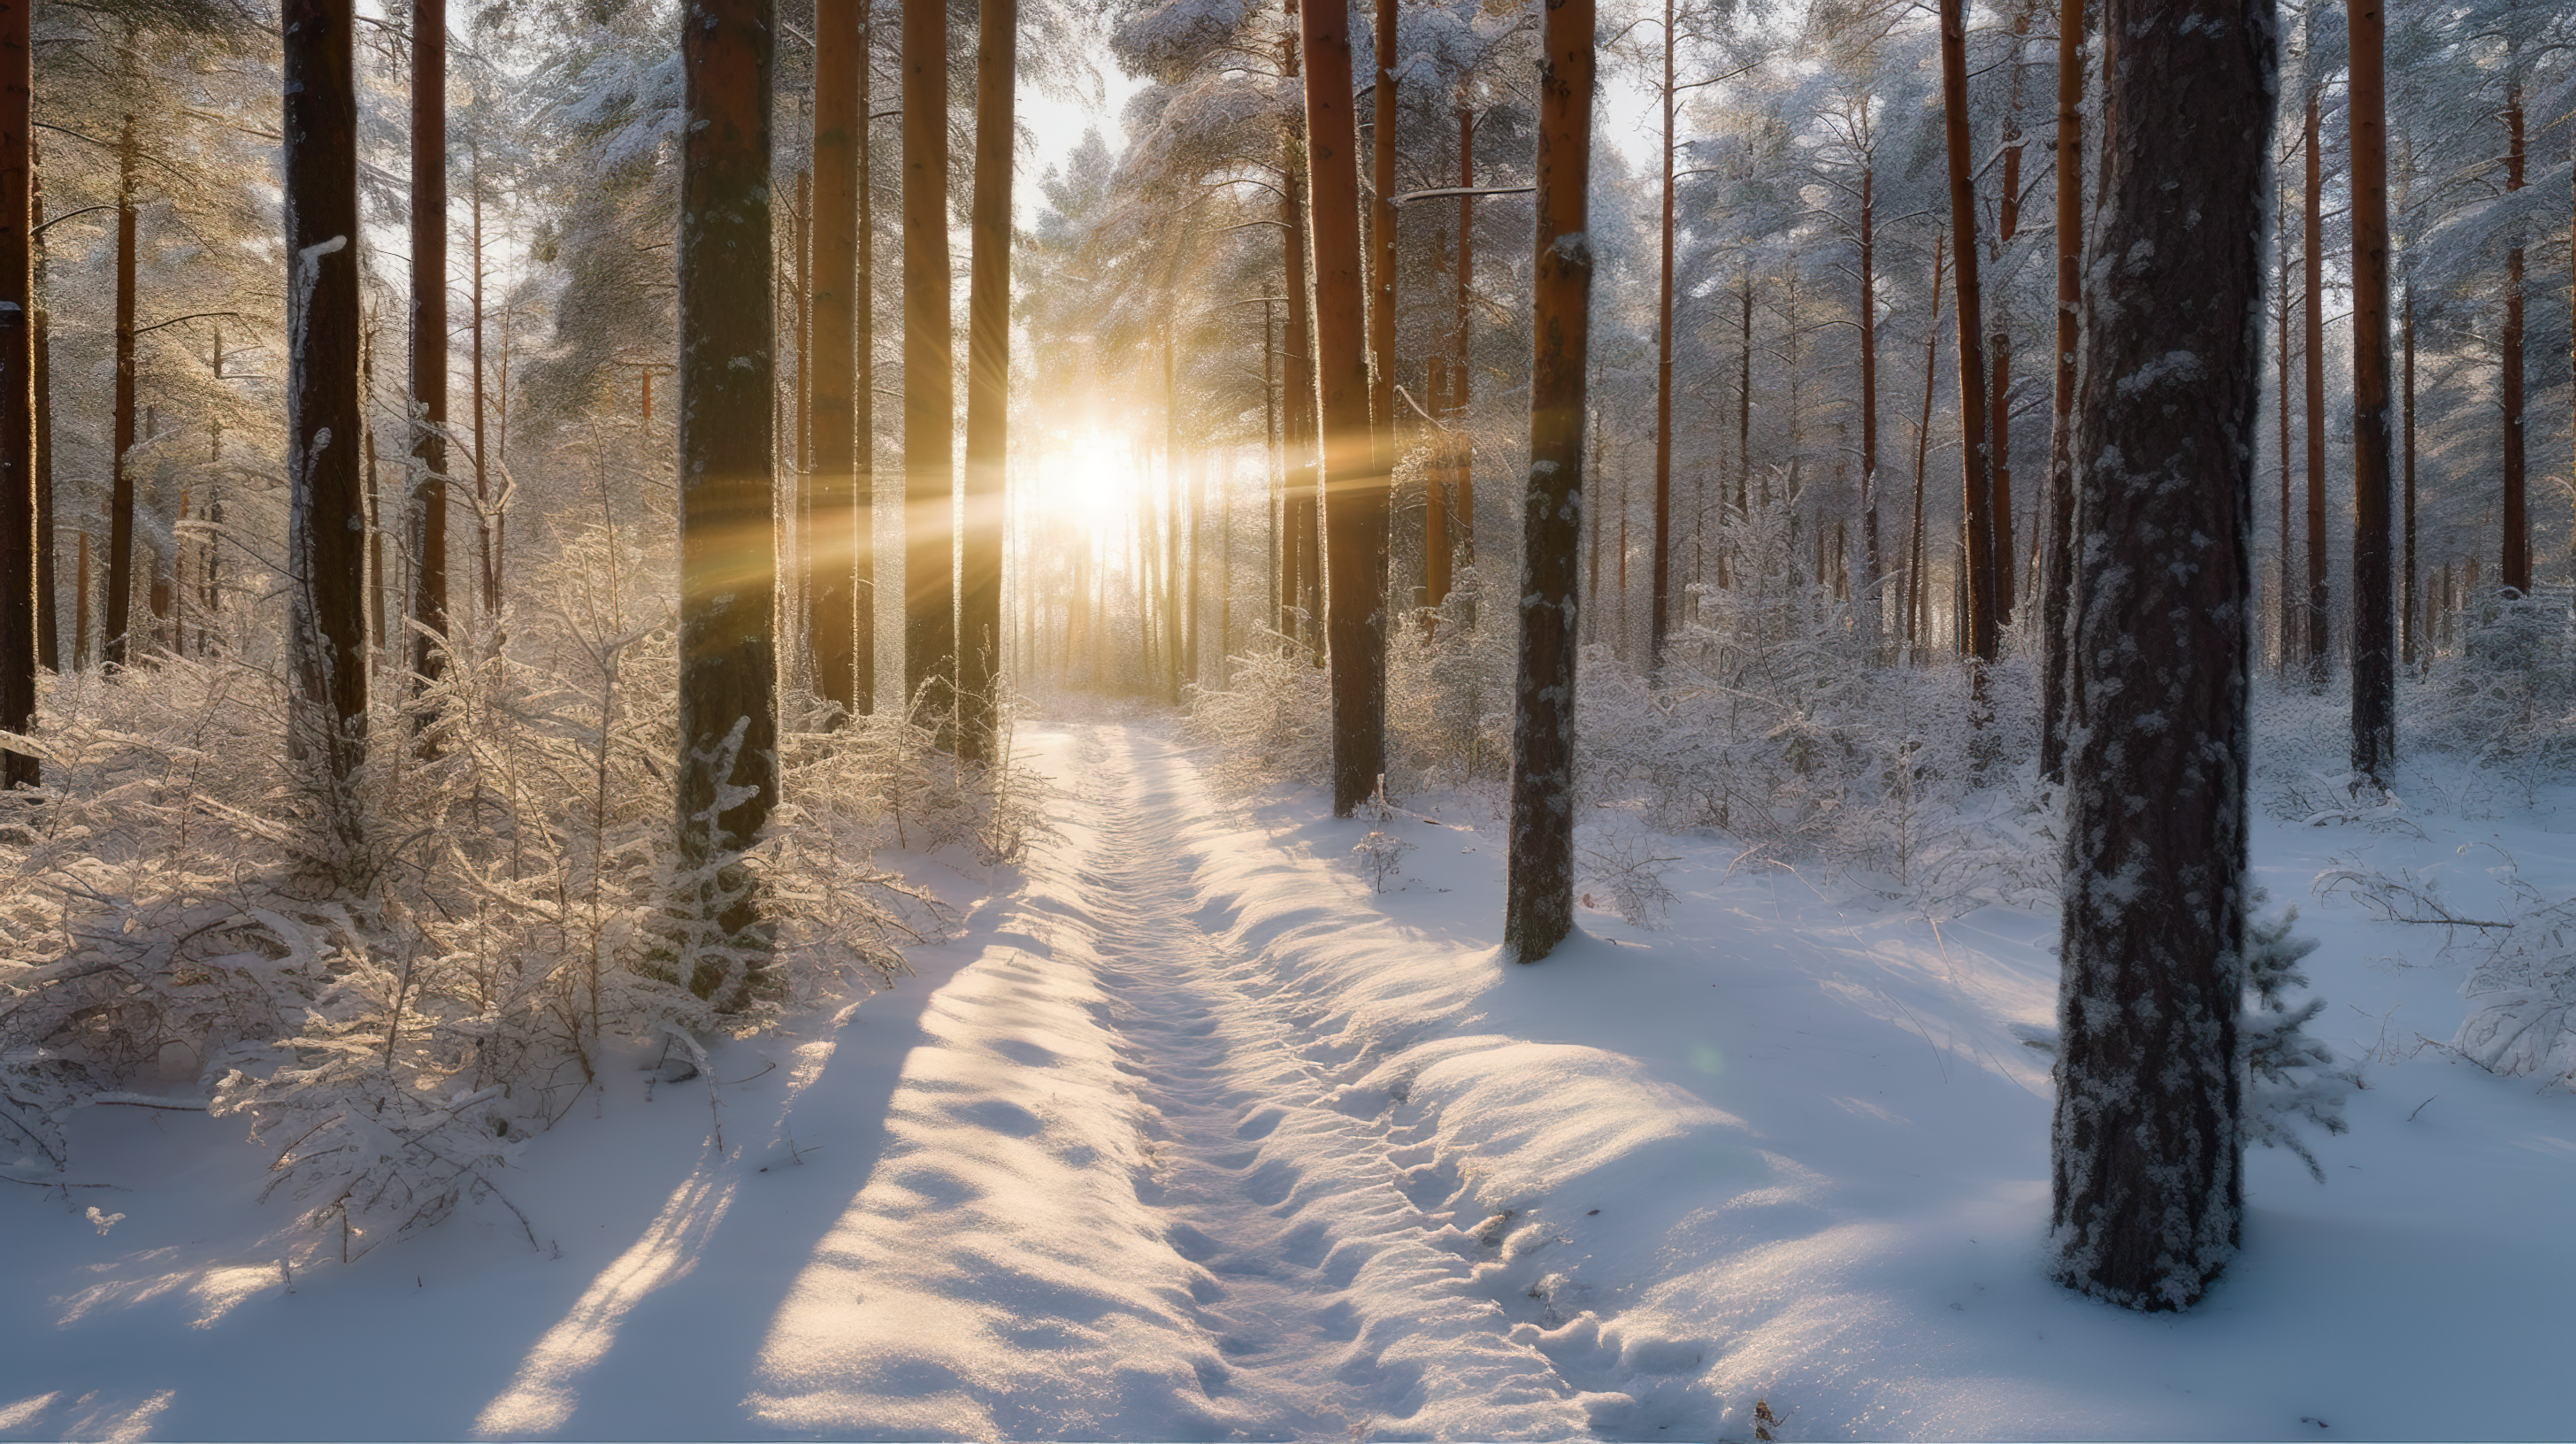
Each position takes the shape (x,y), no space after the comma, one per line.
(929,386)
(1538,906)
(2057,563)
(988,384)
(2293,612)
(2147,1180)
(120,493)
(1355,488)
(48,526)
(1917,585)
(488,527)
(2374,649)
(1461,368)
(863,395)
(1297,340)
(80,604)
(1976,436)
(1381,234)
(427,403)
(1873,564)
(1999,340)
(2409,621)
(831,525)
(326,534)
(2319,632)
(728,722)
(2515,571)
(1659,618)
(18,533)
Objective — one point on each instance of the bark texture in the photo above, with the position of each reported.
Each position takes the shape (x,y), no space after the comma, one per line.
(832,519)
(728,763)
(929,380)
(17,390)
(1538,906)
(428,408)
(2374,630)
(1976,434)
(326,525)
(988,384)
(2057,558)
(1355,484)
(2147,1147)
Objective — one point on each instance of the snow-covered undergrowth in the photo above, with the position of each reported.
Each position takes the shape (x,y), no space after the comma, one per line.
(391,1027)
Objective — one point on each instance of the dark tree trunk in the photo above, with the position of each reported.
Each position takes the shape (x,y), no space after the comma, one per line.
(2374,641)
(120,489)
(1355,487)
(2319,632)
(428,401)
(1659,615)
(326,531)
(831,524)
(2409,619)
(1873,564)
(48,526)
(1538,907)
(728,763)
(988,384)
(2293,611)
(2147,1195)
(1381,233)
(1917,585)
(863,396)
(2057,562)
(1999,355)
(2515,571)
(18,534)
(1976,435)
(1461,368)
(929,384)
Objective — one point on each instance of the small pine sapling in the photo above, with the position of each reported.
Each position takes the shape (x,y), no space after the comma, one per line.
(1381,852)
(2291,1078)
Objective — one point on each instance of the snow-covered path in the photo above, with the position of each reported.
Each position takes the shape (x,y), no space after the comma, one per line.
(1188,1134)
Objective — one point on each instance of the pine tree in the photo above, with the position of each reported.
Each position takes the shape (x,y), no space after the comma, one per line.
(1538,906)
(728,732)
(428,409)
(988,385)
(18,479)
(2147,1195)
(2374,639)
(929,388)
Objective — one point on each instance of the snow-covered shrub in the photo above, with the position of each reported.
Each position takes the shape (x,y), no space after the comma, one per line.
(392,1033)
(1622,863)
(1449,691)
(1275,718)
(2292,1079)
(1382,852)
(2508,698)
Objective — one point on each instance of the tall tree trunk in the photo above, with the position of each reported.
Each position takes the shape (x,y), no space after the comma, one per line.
(1999,339)
(48,525)
(1174,623)
(1381,233)
(1538,906)
(2515,571)
(2319,632)
(1461,366)
(2294,612)
(2147,1182)
(326,533)
(2408,620)
(1917,585)
(120,491)
(379,620)
(929,385)
(988,383)
(490,527)
(1297,339)
(427,406)
(831,538)
(728,763)
(2057,564)
(1355,488)
(863,395)
(1873,564)
(18,535)
(1976,436)
(2374,649)
(1659,615)
(1744,397)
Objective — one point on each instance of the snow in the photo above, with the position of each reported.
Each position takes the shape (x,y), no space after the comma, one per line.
(1188,1132)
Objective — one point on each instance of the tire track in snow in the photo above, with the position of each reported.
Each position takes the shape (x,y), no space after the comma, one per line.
(1336,1304)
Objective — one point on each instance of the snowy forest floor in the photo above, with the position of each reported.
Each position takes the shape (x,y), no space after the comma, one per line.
(1189,1133)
